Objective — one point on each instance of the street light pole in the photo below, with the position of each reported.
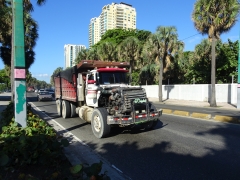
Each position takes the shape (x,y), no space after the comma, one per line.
(19,64)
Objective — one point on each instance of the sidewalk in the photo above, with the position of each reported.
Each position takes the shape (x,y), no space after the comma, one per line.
(221,105)
(224,112)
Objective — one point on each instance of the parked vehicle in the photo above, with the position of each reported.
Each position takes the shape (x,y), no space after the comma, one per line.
(44,96)
(51,91)
(99,93)
(40,90)
(30,89)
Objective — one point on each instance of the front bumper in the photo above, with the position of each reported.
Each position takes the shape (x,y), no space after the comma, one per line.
(136,119)
(45,98)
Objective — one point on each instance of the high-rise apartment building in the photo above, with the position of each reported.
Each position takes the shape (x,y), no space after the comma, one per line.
(70,53)
(94,31)
(113,16)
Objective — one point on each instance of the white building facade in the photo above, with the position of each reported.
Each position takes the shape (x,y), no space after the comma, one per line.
(70,54)
(113,16)
(94,31)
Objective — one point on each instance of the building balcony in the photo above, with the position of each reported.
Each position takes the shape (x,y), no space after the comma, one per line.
(119,13)
(120,9)
(120,17)
(119,27)
(119,24)
(119,21)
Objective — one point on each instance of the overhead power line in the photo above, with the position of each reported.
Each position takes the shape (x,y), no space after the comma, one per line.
(190,36)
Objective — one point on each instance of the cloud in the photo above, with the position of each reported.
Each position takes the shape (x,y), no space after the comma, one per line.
(41,75)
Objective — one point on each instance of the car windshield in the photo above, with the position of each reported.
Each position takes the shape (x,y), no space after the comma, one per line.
(44,93)
(49,90)
(112,78)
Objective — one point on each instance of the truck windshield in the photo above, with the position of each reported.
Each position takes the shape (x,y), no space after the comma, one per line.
(112,78)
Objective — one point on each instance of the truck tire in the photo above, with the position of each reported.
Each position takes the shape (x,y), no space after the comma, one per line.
(59,107)
(73,110)
(66,110)
(151,124)
(99,124)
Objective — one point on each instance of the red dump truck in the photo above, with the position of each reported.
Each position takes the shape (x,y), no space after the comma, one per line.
(99,93)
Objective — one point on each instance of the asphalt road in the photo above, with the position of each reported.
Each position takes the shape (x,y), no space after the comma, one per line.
(178,148)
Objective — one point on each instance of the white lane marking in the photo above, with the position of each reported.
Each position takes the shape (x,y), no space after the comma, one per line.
(66,131)
(116,168)
(63,128)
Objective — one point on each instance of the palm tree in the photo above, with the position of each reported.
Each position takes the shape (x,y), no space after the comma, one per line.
(6,26)
(163,45)
(214,18)
(5,21)
(128,50)
(30,38)
(106,51)
(149,62)
(28,78)
(28,5)
(202,50)
(92,54)
(56,71)
(82,55)
(202,64)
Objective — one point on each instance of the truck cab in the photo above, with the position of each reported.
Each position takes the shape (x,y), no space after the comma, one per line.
(101,78)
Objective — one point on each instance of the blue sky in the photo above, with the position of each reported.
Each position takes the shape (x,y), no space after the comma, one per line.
(66,22)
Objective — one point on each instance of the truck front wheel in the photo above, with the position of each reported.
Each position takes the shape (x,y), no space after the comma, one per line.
(66,110)
(99,124)
(151,124)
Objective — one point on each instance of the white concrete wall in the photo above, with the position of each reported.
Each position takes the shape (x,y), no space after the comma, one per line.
(195,92)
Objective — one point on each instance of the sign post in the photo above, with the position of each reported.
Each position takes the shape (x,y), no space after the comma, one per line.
(19,64)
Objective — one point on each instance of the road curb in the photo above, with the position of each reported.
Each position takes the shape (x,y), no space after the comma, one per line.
(226,119)
(181,113)
(201,115)
(167,111)
(219,118)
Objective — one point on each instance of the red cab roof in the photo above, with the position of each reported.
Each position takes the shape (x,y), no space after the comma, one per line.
(111,70)
(91,64)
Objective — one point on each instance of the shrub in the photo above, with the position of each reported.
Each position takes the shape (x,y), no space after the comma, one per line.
(38,147)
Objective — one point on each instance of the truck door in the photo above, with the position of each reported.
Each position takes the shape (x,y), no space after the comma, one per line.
(91,90)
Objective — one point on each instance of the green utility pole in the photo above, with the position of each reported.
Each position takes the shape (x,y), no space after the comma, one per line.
(19,64)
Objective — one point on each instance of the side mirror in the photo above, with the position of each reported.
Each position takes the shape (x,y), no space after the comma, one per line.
(91,81)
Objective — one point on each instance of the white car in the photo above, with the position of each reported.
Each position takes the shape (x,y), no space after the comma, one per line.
(44,96)
(41,90)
